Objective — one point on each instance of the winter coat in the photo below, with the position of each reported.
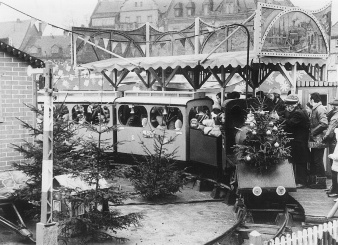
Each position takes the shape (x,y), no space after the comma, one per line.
(318,120)
(279,106)
(297,124)
(329,136)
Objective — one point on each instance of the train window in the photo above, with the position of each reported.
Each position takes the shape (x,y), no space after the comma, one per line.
(170,118)
(62,111)
(79,114)
(197,114)
(133,116)
(98,114)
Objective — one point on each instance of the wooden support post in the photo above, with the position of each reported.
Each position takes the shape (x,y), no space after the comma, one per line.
(294,89)
(255,238)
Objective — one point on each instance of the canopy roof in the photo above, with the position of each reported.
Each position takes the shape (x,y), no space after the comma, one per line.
(233,59)
(160,97)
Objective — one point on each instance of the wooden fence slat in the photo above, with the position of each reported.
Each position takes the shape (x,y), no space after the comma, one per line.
(283,240)
(325,234)
(310,236)
(300,237)
(277,241)
(315,235)
(288,239)
(294,238)
(334,232)
(305,237)
(330,232)
(320,234)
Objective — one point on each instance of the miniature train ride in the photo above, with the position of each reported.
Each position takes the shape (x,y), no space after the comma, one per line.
(202,135)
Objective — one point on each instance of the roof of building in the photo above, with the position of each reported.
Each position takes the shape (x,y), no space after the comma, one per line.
(219,5)
(15,30)
(31,60)
(45,43)
(163,5)
(107,8)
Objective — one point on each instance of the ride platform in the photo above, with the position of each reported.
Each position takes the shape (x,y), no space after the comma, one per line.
(316,204)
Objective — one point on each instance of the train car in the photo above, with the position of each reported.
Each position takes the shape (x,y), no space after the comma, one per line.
(90,107)
(141,114)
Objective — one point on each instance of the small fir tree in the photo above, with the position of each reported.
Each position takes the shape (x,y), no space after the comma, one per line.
(157,174)
(265,142)
(81,157)
(64,142)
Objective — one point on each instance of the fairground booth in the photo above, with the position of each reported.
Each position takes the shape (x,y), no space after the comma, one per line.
(274,39)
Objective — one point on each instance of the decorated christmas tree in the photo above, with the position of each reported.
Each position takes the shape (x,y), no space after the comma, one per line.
(262,143)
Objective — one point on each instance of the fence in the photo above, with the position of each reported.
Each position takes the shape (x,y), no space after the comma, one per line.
(324,234)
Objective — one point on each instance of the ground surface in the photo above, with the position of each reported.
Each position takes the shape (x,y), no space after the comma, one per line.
(190,217)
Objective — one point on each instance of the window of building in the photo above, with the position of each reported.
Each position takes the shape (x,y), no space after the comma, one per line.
(138,19)
(135,4)
(336,42)
(231,8)
(103,21)
(34,50)
(178,8)
(150,19)
(55,49)
(207,7)
(127,19)
(190,9)
(132,115)
(170,118)
(140,4)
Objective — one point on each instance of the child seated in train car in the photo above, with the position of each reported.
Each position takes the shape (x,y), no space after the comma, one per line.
(97,115)
(78,114)
(106,112)
(210,125)
(174,118)
(135,118)
(156,117)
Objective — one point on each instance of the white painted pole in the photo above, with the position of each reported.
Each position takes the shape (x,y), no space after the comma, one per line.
(197,33)
(46,230)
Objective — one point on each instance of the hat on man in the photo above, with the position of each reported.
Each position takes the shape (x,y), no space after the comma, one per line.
(334,102)
(275,90)
(291,99)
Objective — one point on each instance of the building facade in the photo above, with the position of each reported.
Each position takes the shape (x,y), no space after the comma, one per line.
(16,89)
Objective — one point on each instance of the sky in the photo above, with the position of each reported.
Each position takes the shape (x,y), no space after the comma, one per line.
(67,13)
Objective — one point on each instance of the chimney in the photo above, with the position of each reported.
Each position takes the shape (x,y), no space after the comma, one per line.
(18,20)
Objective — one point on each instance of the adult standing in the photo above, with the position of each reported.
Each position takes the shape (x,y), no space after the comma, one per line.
(297,124)
(330,138)
(319,123)
(276,104)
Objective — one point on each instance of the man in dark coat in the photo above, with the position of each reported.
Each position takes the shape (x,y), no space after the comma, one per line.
(297,124)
